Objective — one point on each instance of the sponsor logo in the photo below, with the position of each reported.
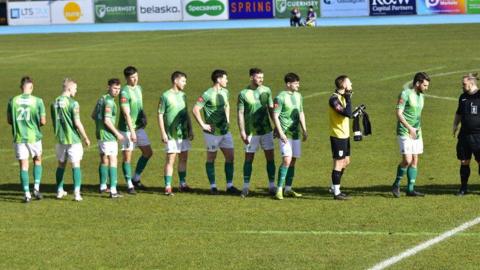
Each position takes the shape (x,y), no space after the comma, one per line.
(108,109)
(250,7)
(200,99)
(14,13)
(392,7)
(160,9)
(390,2)
(432,3)
(401,101)
(123,100)
(212,8)
(72,11)
(30,13)
(281,5)
(102,10)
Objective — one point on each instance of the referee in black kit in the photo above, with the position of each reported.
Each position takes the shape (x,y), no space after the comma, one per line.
(468,115)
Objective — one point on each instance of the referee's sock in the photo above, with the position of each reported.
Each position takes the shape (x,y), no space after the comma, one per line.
(464,175)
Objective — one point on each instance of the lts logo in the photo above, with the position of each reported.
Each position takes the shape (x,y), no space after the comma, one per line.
(32,13)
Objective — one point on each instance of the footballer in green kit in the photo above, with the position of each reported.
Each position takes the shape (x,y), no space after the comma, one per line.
(132,123)
(290,123)
(26,114)
(255,108)
(176,130)
(69,133)
(215,125)
(409,133)
(105,115)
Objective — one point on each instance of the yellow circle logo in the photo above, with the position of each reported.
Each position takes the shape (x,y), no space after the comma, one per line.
(72,11)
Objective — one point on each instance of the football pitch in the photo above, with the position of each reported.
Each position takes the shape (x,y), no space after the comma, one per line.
(200,231)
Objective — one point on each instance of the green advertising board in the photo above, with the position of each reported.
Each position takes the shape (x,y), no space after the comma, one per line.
(109,11)
(473,6)
(283,7)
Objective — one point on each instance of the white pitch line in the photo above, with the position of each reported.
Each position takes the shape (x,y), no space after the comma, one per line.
(408,83)
(409,73)
(361,233)
(440,97)
(412,251)
(316,94)
(47,51)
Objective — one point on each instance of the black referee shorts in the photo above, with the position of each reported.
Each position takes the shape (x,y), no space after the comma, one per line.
(468,145)
(340,147)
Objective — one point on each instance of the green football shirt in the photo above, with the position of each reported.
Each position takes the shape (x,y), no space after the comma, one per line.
(411,103)
(214,103)
(105,108)
(65,110)
(26,112)
(173,106)
(289,105)
(131,97)
(255,104)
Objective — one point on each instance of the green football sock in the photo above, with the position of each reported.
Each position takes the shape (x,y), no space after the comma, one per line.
(182,176)
(24,180)
(412,176)
(141,163)
(229,171)
(113,177)
(290,175)
(103,173)
(168,180)
(37,174)
(77,178)
(210,168)
(127,171)
(282,174)
(247,171)
(59,178)
(271,171)
(400,172)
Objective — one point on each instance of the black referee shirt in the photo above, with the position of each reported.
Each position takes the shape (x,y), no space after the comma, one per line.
(469,110)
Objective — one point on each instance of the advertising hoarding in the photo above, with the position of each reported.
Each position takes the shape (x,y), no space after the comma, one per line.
(251,9)
(74,11)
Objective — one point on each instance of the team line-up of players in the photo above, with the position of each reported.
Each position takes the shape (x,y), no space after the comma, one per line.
(256,108)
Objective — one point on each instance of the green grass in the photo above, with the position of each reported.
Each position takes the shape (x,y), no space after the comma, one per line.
(198,231)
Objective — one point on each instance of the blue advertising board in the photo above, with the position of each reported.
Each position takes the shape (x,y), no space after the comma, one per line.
(251,9)
(392,7)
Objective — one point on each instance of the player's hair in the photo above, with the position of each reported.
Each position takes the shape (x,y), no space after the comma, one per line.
(420,77)
(114,81)
(129,71)
(177,74)
(310,7)
(67,82)
(340,80)
(218,73)
(473,77)
(255,71)
(25,80)
(291,77)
